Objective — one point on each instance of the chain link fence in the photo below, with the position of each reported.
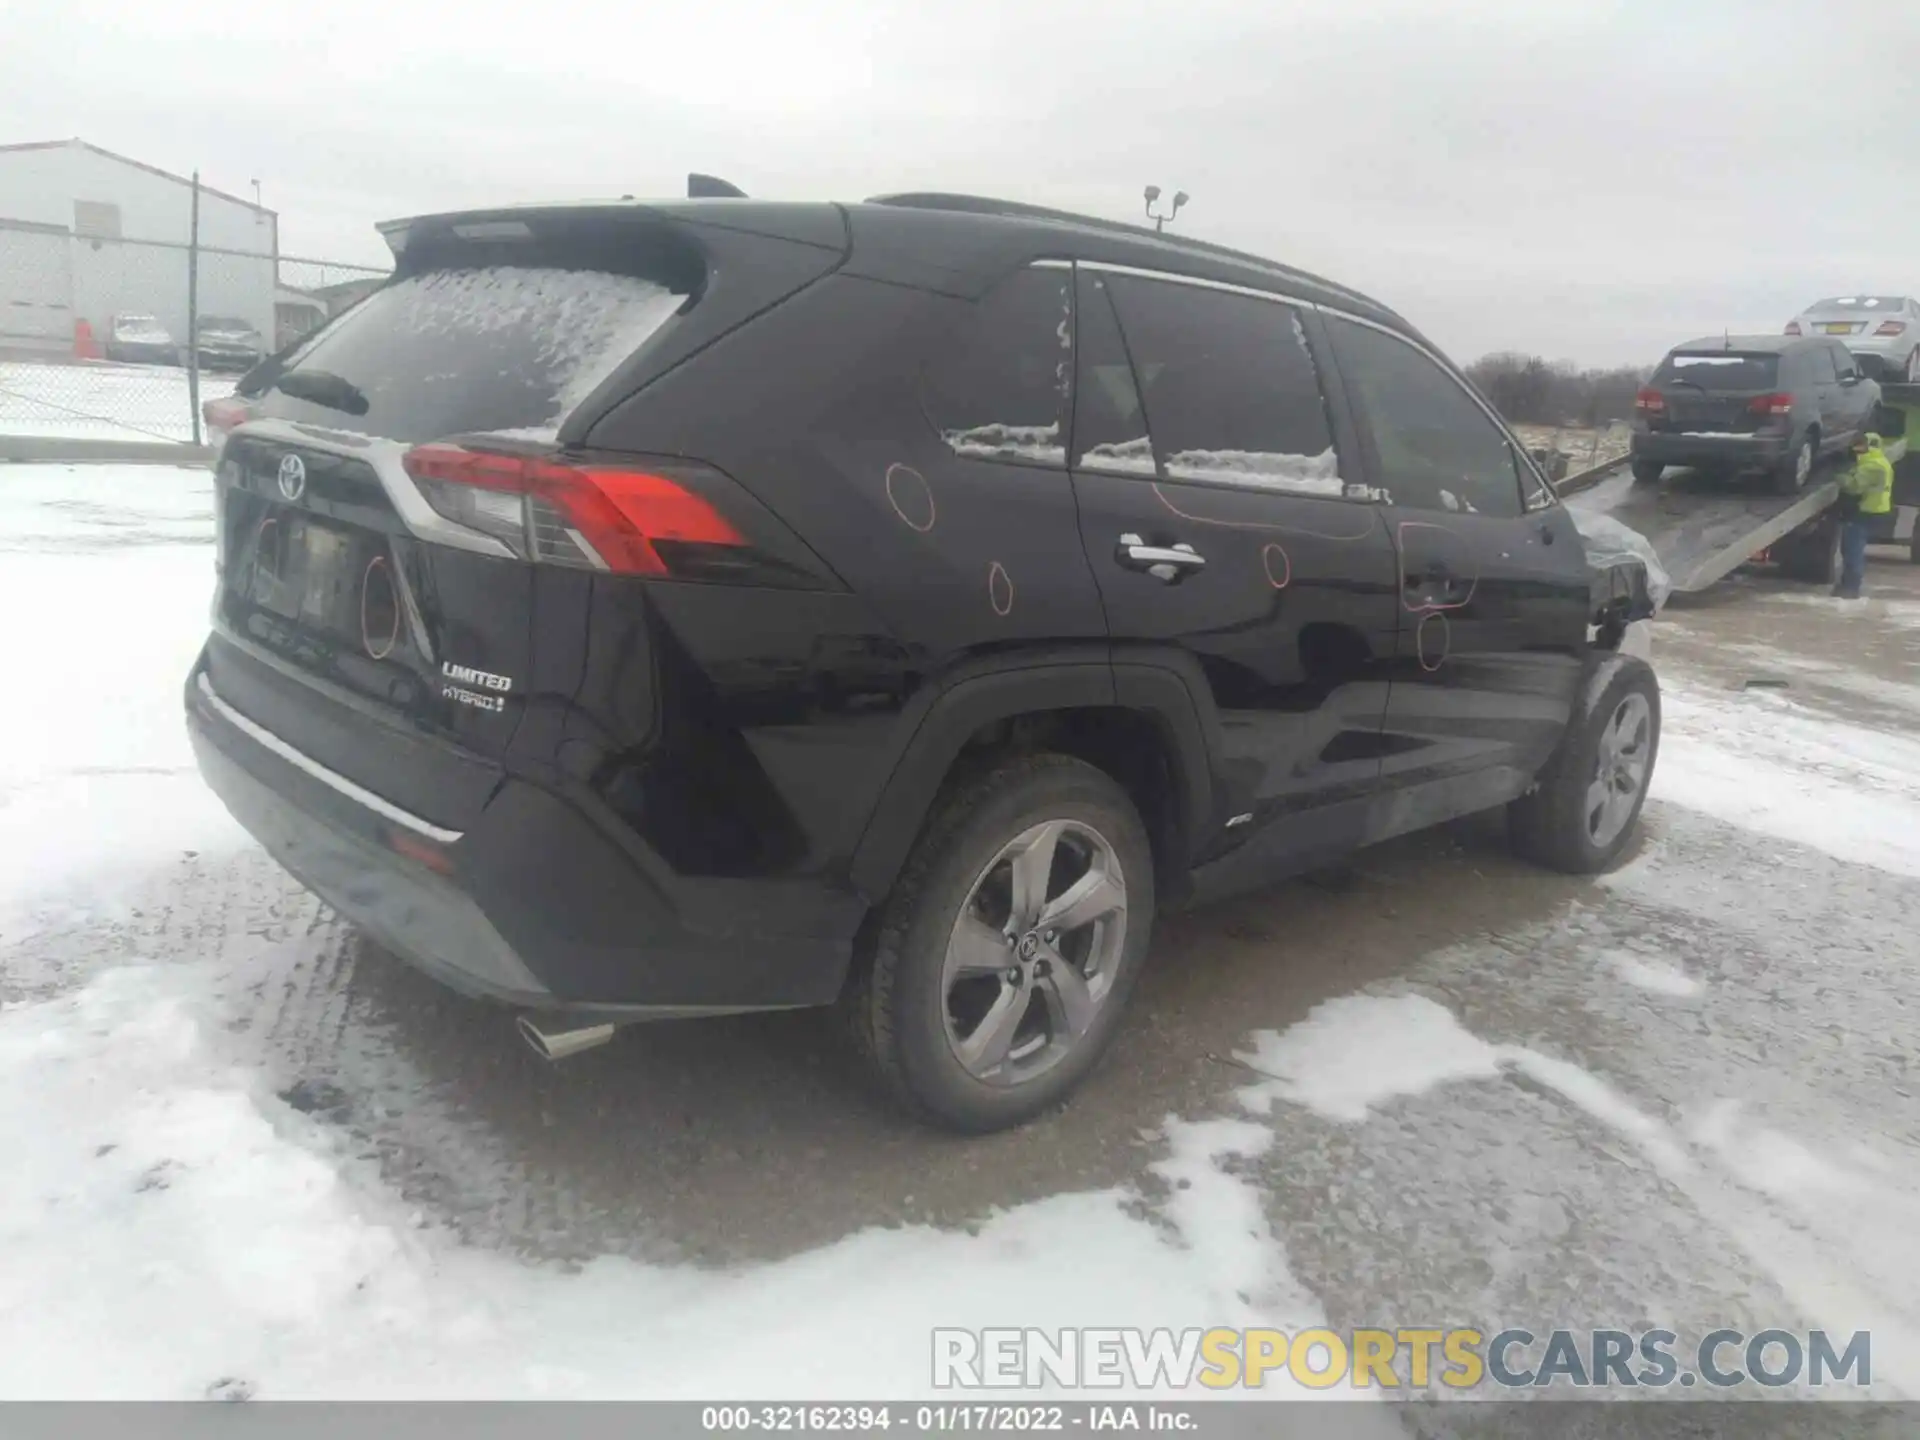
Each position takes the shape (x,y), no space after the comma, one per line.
(105,339)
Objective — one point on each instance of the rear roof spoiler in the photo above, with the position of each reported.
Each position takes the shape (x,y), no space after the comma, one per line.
(712,187)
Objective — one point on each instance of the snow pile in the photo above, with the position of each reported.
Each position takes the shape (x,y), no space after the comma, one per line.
(1129,457)
(1266,470)
(161,1211)
(1840,1244)
(98,782)
(101,401)
(1010,442)
(1757,760)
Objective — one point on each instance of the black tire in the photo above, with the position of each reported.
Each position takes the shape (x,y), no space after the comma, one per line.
(1550,824)
(1913,544)
(1648,472)
(1788,477)
(896,1004)
(1815,555)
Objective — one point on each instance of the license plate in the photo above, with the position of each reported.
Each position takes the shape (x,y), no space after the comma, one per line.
(325,601)
(1839,328)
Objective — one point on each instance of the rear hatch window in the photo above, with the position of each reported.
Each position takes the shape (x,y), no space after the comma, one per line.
(469,348)
(1719,370)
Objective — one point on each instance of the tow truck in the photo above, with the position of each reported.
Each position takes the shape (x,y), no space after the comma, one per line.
(1703,529)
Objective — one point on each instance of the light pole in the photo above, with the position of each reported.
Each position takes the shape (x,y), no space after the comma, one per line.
(1159,220)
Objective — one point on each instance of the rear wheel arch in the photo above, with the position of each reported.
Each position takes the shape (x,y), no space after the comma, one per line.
(1138,724)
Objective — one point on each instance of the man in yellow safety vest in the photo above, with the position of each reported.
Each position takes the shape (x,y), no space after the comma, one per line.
(1867,492)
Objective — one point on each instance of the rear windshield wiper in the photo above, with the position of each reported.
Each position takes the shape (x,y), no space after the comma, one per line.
(322,387)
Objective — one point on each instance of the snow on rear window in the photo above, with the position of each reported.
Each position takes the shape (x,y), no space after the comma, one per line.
(1720,370)
(486,348)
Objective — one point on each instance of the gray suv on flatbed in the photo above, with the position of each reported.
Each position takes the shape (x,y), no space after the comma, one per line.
(1775,403)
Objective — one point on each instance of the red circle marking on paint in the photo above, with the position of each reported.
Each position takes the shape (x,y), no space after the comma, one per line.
(1420,641)
(1268,553)
(896,474)
(379,562)
(996,577)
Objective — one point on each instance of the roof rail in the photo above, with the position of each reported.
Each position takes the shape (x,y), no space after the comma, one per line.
(1015,209)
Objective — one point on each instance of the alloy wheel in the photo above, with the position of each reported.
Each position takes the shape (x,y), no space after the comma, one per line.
(1619,769)
(1033,954)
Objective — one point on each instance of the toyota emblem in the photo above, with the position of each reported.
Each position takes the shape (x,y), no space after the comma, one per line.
(292,477)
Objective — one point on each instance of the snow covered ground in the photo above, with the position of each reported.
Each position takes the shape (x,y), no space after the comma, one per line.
(101,401)
(249,1157)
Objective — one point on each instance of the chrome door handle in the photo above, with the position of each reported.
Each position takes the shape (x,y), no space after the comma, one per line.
(1163,562)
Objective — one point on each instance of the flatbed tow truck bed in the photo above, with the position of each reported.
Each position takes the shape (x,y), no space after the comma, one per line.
(1704,528)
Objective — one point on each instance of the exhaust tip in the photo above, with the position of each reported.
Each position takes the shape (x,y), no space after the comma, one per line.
(555,1045)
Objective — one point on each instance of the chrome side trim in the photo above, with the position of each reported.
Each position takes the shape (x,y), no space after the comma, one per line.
(300,760)
(1280,297)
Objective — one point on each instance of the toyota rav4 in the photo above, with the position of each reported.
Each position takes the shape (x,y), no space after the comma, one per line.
(685,608)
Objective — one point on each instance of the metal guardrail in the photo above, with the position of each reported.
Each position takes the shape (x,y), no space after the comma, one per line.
(1587,479)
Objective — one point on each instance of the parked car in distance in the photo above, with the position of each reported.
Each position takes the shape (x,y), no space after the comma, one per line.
(140,338)
(1881,331)
(1734,403)
(225,343)
(897,626)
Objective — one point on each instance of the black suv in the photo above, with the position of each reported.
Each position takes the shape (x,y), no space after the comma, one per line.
(1772,403)
(695,607)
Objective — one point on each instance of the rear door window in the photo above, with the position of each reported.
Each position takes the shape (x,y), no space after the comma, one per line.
(1109,419)
(467,349)
(1000,386)
(1229,389)
(1823,366)
(1720,369)
(1434,447)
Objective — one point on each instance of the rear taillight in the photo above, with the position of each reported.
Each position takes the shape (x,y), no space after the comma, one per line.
(1890,327)
(223,415)
(1793,327)
(1771,404)
(1650,400)
(591,516)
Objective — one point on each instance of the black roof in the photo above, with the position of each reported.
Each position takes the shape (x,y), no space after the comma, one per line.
(1749,344)
(1119,242)
(956,244)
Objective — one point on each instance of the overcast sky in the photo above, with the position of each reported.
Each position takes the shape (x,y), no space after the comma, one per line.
(1578,178)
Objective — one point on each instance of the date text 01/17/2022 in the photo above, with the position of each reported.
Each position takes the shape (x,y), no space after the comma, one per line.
(989,1419)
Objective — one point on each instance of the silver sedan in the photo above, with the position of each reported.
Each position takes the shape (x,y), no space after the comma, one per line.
(1882,331)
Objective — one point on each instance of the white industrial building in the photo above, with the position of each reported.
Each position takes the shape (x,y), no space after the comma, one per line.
(86,234)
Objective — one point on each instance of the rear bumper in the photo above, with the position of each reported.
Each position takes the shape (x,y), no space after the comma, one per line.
(236,359)
(1881,355)
(152,351)
(534,905)
(1682,448)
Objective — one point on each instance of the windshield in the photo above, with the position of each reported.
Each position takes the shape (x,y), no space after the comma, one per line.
(1719,370)
(492,347)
